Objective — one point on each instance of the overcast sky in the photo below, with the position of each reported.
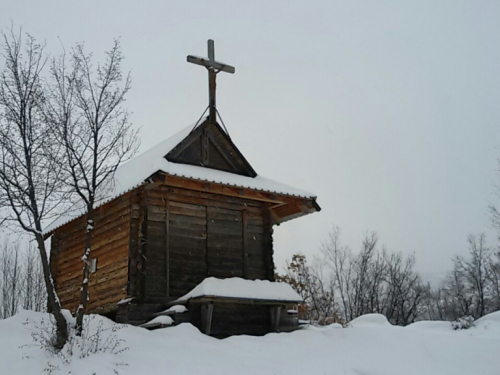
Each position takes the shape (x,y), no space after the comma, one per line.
(387,110)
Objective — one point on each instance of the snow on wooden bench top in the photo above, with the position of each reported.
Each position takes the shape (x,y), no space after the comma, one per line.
(238,288)
(159,321)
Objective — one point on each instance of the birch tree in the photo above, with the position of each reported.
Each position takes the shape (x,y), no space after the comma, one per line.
(29,188)
(94,129)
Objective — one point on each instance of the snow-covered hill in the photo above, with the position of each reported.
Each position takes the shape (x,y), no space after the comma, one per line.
(369,346)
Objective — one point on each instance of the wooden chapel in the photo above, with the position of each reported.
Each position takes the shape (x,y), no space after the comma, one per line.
(190,208)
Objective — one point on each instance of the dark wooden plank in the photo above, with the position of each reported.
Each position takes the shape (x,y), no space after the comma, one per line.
(180,234)
(225,228)
(179,219)
(179,226)
(183,242)
(199,249)
(234,254)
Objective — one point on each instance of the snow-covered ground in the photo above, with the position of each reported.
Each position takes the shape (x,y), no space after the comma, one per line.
(369,346)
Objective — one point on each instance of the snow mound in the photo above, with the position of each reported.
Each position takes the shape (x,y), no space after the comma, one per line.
(236,287)
(370,320)
(488,324)
(493,317)
(183,349)
(433,325)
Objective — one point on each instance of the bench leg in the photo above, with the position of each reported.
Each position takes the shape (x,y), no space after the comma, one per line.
(206,317)
(275,318)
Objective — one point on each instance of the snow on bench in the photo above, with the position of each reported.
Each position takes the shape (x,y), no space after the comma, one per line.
(236,288)
(158,322)
(176,309)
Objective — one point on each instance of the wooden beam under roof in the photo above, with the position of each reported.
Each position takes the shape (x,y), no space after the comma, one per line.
(283,207)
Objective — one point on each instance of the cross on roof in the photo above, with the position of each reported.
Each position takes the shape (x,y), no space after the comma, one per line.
(213,68)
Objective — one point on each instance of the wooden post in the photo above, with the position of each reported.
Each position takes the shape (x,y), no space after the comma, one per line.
(268,244)
(275,318)
(245,243)
(211,82)
(206,317)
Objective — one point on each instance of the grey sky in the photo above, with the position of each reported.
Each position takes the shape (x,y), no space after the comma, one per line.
(388,111)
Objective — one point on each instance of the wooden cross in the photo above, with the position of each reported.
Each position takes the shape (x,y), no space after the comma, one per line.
(213,68)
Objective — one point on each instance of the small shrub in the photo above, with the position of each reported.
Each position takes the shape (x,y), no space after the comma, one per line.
(465,322)
(94,339)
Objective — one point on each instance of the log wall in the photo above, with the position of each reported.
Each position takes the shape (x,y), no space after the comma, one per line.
(110,246)
(191,235)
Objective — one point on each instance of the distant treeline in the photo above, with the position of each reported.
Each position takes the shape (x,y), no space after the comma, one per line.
(339,285)
(21,279)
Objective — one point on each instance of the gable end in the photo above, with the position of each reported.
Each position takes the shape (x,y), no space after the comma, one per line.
(210,146)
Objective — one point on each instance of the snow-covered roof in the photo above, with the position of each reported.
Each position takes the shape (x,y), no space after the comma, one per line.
(236,287)
(134,172)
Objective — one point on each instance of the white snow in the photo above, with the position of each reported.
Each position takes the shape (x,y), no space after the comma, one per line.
(489,324)
(134,172)
(375,348)
(125,301)
(431,325)
(236,287)
(176,309)
(162,319)
(370,320)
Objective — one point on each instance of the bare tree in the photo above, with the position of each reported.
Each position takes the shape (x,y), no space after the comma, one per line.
(28,177)
(359,279)
(474,271)
(363,275)
(324,298)
(298,275)
(376,287)
(435,303)
(404,293)
(339,259)
(374,281)
(9,280)
(21,279)
(456,290)
(34,294)
(87,113)
(317,291)
(14,272)
(494,280)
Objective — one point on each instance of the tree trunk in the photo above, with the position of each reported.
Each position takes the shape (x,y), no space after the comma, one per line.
(53,300)
(84,294)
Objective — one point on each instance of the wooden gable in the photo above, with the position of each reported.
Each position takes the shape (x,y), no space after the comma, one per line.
(209,146)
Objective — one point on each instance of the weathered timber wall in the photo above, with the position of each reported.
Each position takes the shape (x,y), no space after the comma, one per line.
(191,235)
(110,245)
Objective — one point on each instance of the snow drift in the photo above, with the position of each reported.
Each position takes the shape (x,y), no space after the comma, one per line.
(369,346)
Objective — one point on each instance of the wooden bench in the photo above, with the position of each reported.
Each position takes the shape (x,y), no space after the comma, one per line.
(207,308)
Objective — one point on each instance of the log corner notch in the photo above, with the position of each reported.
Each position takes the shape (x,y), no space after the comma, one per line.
(282,207)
